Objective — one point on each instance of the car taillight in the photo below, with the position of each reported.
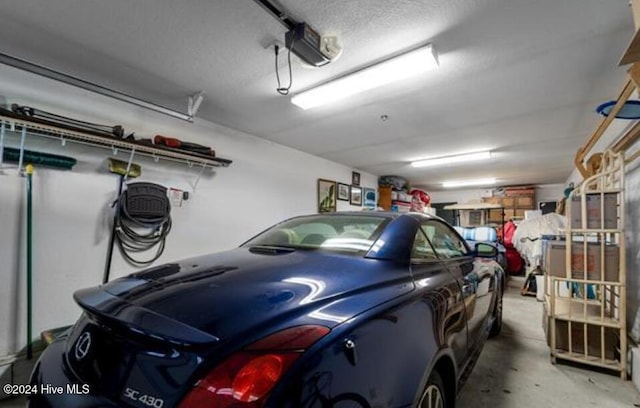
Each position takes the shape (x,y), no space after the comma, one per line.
(258,376)
(245,378)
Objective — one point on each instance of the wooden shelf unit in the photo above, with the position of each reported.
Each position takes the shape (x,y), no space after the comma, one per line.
(384,197)
(465,212)
(586,308)
(387,201)
(514,203)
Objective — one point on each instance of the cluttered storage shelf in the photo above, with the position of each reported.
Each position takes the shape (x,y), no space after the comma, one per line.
(513,204)
(24,125)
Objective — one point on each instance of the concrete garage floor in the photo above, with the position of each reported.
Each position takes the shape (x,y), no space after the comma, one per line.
(514,369)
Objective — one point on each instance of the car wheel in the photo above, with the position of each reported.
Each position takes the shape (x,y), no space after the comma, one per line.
(496,327)
(433,395)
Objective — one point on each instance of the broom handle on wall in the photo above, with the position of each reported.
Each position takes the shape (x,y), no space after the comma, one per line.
(107,266)
(29,169)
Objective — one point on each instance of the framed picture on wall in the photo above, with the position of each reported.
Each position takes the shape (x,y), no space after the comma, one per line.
(343,192)
(355,178)
(326,195)
(355,198)
(370,199)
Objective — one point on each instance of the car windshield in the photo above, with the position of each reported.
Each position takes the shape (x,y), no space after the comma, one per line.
(348,233)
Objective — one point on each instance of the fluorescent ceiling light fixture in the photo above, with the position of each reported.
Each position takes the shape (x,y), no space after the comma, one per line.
(394,69)
(465,183)
(458,158)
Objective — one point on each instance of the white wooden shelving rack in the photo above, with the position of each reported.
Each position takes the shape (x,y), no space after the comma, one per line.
(587,306)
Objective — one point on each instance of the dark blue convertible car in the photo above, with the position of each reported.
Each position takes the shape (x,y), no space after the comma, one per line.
(333,310)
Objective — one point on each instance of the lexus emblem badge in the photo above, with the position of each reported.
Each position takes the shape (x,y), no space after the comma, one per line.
(83,345)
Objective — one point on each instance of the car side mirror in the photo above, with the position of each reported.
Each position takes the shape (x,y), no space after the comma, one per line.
(484,250)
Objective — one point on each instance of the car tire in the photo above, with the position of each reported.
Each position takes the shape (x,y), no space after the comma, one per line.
(496,327)
(433,395)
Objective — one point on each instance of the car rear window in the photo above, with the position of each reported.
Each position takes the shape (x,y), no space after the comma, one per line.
(345,233)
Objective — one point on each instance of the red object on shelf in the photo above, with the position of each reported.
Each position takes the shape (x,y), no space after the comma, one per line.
(167,141)
(174,143)
(421,195)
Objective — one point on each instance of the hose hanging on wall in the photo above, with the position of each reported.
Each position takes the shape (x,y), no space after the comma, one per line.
(143,221)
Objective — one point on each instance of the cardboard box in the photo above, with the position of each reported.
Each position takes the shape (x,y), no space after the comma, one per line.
(495,215)
(508,201)
(492,200)
(519,214)
(555,260)
(594,339)
(520,191)
(594,211)
(525,202)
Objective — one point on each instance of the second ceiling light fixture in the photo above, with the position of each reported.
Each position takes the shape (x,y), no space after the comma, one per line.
(452,159)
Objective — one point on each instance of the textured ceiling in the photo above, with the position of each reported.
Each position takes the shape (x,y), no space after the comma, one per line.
(519,77)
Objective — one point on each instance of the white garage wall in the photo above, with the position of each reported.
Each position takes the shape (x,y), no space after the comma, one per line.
(632,232)
(266,183)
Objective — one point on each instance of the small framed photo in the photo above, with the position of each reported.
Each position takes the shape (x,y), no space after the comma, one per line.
(355,178)
(326,195)
(355,198)
(370,200)
(343,192)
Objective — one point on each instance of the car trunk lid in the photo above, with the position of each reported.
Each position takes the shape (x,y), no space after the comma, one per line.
(143,337)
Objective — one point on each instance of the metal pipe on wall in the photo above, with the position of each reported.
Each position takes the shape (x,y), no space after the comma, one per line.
(90,86)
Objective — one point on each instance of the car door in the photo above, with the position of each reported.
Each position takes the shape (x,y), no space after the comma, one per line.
(443,291)
(474,278)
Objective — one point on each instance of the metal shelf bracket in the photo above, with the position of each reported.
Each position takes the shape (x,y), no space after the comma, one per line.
(23,135)
(126,173)
(197,180)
